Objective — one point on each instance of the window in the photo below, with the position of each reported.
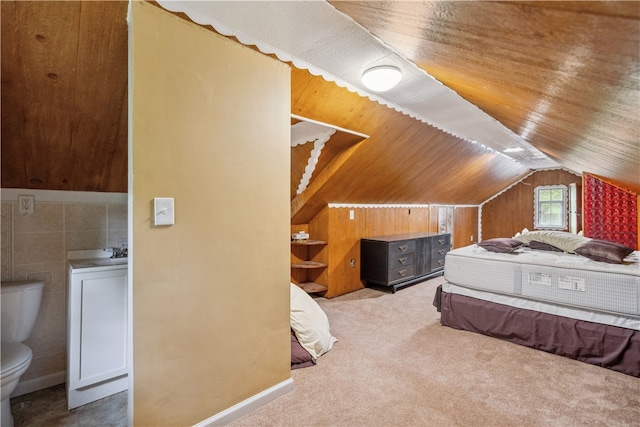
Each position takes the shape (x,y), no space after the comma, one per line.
(551,207)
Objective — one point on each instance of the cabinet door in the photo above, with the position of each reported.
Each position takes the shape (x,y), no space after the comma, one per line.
(102,328)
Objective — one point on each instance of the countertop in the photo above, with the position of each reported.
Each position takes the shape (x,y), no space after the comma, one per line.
(96,260)
(98,264)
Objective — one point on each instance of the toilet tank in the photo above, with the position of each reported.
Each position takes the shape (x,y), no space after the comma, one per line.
(20,306)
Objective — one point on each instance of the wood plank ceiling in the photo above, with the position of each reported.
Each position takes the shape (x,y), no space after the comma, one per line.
(563,75)
(64,95)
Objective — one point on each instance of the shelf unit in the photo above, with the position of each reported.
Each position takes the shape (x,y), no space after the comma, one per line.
(307,266)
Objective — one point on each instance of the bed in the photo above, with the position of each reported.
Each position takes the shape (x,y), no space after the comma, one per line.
(561,300)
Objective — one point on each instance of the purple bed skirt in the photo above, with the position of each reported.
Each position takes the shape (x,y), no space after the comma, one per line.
(603,345)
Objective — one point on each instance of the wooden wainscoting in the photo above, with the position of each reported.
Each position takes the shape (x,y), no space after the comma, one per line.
(342,234)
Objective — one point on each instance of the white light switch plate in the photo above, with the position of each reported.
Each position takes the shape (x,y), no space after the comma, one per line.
(163,211)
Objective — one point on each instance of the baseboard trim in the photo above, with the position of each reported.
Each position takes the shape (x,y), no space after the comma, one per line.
(248,405)
(39,383)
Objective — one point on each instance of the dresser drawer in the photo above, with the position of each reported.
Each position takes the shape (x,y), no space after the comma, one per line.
(402,260)
(440,245)
(440,242)
(400,274)
(402,247)
(437,262)
(439,252)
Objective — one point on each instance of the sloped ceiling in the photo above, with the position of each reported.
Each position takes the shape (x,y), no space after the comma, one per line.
(562,76)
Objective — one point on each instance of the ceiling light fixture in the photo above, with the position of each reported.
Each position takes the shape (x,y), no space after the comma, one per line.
(513,150)
(381,78)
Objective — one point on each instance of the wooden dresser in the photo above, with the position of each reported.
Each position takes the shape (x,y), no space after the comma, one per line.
(393,262)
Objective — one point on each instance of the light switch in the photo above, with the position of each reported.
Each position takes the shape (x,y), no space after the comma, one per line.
(351,214)
(163,211)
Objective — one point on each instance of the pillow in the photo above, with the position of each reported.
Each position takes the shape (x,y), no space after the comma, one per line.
(524,230)
(543,246)
(605,251)
(310,323)
(501,244)
(568,242)
(300,358)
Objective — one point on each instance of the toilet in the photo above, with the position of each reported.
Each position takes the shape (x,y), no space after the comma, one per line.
(20,305)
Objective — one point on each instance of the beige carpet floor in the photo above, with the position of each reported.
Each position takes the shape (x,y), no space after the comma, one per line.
(395,365)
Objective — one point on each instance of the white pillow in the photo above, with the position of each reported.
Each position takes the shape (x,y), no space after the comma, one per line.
(310,323)
(524,230)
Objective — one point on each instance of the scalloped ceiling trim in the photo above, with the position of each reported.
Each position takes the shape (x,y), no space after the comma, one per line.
(303,132)
(314,36)
(318,145)
(327,125)
(376,205)
(395,205)
(525,177)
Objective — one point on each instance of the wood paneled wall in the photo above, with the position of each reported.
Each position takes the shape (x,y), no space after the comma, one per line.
(343,235)
(513,210)
(465,224)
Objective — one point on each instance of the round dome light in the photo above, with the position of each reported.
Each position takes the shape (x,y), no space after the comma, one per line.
(382,78)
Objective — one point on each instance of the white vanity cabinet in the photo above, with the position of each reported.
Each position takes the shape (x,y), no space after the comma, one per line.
(96,330)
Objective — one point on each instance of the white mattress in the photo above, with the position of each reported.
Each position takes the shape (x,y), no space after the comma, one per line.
(554,277)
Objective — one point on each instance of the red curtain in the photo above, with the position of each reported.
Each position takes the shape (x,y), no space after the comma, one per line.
(610,212)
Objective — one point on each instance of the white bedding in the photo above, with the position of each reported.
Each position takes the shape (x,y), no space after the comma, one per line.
(553,277)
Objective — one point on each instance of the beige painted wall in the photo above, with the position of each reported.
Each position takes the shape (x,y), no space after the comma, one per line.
(210,293)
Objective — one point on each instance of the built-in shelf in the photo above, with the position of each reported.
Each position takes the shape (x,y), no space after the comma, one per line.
(312,287)
(308,264)
(308,242)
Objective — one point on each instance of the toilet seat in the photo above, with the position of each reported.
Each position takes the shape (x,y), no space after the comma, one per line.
(14,357)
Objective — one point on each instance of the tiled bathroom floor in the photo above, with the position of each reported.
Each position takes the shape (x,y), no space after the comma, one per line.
(48,408)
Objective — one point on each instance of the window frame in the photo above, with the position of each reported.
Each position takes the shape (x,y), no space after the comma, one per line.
(537,203)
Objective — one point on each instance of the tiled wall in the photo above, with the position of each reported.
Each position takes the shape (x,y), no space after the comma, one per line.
(35,246)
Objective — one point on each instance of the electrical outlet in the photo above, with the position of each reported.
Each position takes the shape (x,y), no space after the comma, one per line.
(26,204)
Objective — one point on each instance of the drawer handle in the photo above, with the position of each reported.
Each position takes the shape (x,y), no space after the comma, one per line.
(402,260)
(440,261)
(441,241)
(403,248)
(402,272)
(441,251)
